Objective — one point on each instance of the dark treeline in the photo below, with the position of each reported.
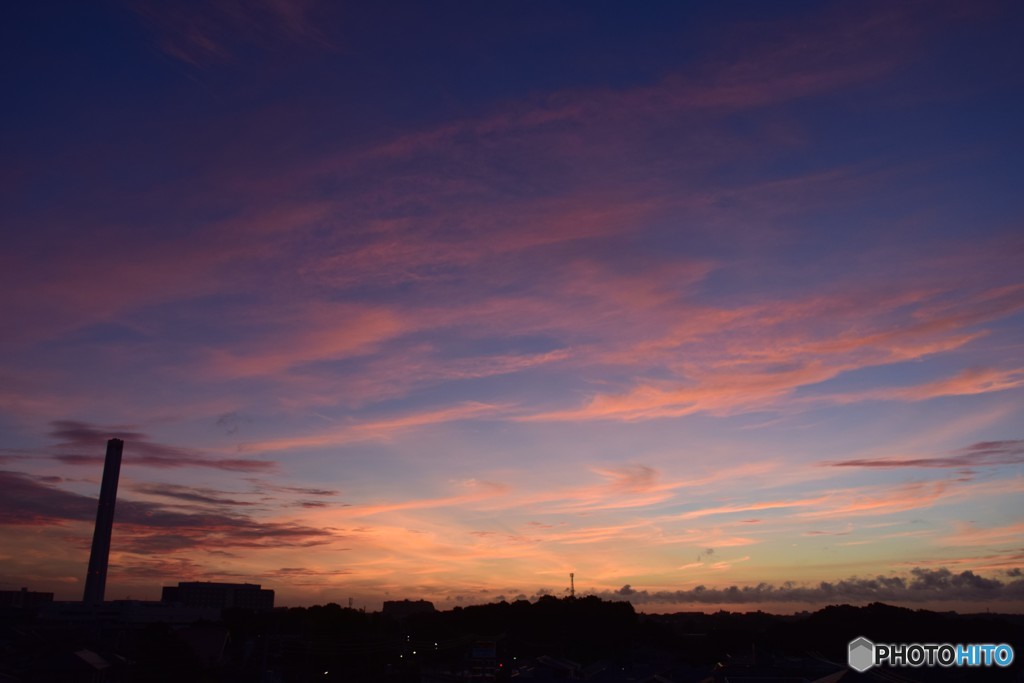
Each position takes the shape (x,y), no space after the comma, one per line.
(356,644)
(568,638)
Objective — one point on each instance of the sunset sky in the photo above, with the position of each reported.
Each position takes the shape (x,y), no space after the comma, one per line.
(717,305)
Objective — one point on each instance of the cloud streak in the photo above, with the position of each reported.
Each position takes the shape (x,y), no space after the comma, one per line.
(140,450)
(204,35)
(148,528)
(923,585)
(982,454)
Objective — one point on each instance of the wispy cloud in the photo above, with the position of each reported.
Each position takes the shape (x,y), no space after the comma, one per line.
(203,34)
(982,454)
(971,534)
(766,355)
(320,333)
(877,501)
(473,491)
(969,382)
(376,429)
(76,437)
(264,485)
(753,507)
(149,528)
(193,495)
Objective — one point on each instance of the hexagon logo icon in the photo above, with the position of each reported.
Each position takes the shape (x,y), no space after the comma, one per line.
(861,655)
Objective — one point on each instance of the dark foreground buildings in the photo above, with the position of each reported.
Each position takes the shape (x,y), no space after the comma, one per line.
(569,639)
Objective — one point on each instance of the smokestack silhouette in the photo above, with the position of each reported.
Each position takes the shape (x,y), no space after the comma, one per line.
(96,579)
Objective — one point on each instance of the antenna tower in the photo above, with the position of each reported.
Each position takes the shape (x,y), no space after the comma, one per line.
(572,584)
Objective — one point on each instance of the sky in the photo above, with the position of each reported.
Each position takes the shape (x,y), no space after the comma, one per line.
(715,305)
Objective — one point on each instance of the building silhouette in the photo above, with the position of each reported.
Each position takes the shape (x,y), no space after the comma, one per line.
(400,609)
(96,578)
(220,595)
(24,599)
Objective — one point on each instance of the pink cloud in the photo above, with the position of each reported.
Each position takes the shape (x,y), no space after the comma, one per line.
(477,491)
(89,280)
(320,333)
(905,497)
(966,383)
(201,35)
(385,428)
(752,359)
(970,534)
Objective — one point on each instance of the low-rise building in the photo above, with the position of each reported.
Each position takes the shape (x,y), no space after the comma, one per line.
(221,595)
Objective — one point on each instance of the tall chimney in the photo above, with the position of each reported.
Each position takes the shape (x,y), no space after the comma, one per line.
(96,579)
